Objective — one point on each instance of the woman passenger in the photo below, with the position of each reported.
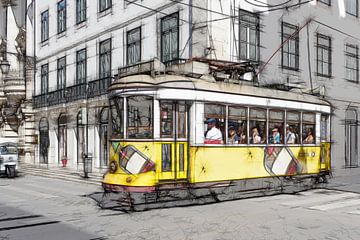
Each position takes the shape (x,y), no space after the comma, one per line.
(310,138)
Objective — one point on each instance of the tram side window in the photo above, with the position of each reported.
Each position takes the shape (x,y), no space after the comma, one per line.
(276,127)
(308,131)
(139,117)
(292,127)
(214,124)
(237,125)
(257,123)
(117,113)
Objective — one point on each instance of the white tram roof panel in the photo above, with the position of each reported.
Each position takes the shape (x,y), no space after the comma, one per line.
(200,89)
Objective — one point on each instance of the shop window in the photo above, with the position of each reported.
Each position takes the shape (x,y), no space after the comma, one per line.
(292,127)
(139,117)
(117,113)
(257,123)
(276,127)
(237,125)
(214,124)
(308,129)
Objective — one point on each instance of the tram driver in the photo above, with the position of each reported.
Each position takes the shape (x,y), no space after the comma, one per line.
(213,134)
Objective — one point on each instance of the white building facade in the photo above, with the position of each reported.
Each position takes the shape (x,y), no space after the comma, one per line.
(309,46)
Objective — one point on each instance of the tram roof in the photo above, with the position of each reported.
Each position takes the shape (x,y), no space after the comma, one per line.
(183,82)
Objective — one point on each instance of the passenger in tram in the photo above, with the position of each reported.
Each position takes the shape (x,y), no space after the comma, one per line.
(275,136)
(233,138)
(290,135)
(213,135)
(242,135)
(255,139)
(310,138)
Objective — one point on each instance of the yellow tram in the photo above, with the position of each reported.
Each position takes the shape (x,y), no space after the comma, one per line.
(161,127)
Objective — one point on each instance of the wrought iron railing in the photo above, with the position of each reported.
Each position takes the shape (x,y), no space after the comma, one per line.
(76,92)
(98,87)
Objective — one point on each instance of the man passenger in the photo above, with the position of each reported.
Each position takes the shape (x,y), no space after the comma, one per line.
(213,135)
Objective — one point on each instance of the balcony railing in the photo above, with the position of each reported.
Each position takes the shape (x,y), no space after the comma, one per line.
(72,93)
(98,87)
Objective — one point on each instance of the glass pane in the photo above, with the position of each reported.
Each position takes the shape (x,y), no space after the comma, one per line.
(214,125)
(181,157)
(166,157)
(117,113)
(139,116)
(237,125)
(276,127)
(181,120)
(166,119)
(308,134)
(258,126)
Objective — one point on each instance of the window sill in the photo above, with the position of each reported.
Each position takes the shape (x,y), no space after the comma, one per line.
(352,81)
(290,68)
(61,34)
(104,12)
(81,24)
(44,43)
(322,75)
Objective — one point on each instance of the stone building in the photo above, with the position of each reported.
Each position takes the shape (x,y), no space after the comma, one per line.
(309,47)
(16,121)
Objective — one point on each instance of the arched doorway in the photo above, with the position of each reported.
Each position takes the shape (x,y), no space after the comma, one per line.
(103,135)
(44,140)
(351,138)
(62,137)
(80,127)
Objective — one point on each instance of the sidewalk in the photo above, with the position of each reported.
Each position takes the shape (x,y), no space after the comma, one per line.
(61,173)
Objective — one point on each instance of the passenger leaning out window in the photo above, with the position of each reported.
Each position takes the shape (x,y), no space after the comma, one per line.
(213,134)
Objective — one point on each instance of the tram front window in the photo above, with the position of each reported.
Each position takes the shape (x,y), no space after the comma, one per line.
(257,126)
(139,117)
(214,124)
(308,130)
(117,112)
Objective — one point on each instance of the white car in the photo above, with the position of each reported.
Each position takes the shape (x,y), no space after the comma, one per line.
(8,159)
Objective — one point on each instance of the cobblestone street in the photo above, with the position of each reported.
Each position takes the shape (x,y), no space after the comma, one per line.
(316,214)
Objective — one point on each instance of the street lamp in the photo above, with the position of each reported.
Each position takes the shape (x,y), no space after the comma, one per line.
(5,66)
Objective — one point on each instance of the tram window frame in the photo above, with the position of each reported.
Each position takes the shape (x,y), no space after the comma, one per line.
(276,123)
(117,108)
(295,125)
(305,125)
(235,120)
(220,122)
(260,131)
(129,126)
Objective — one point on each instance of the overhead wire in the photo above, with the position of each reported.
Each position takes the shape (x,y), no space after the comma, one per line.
(265,5)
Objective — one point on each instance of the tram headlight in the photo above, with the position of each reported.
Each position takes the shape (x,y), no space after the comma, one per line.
(113,167)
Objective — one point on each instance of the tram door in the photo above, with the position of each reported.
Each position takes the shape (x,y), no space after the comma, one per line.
(174,146)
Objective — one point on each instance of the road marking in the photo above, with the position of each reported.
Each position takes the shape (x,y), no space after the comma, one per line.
(316,198)
(329,206)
